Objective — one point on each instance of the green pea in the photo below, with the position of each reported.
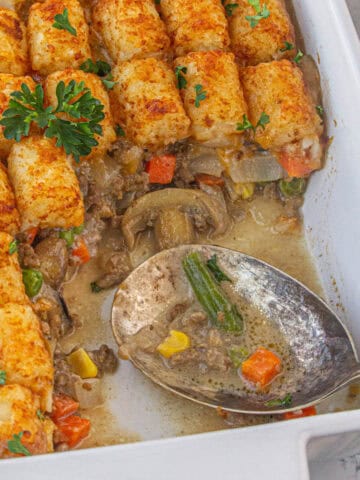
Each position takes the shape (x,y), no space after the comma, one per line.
(33,281)
(68,236)
(293,187)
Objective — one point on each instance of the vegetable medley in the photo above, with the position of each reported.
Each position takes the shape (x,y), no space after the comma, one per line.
(112,137)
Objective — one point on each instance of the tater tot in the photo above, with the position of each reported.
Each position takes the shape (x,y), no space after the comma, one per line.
(52,49)
(97,89)
(18,413)
(9,215)
(195,25)
(12,289)
(278,89)
(265,41)
(13,44)
(9,83)
(24,355)
(130,29)
(46,189)
(147,104)
(214,118)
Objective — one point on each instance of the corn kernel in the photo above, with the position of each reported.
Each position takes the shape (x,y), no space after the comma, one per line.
(245,190)
(82,364)
(176,342)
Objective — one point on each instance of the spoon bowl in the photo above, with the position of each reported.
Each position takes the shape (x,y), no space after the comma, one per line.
(322,348)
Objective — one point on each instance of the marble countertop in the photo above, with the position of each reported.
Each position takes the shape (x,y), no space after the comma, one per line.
(354,6)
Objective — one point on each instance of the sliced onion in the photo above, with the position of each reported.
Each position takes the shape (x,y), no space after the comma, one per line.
(206,161)
(247,168)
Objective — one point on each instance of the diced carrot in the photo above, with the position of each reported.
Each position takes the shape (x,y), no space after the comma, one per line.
(63,406)
(305,412)
(210,180)
(31,234)
(81,252)
(297,165)
(73,429)
(261,367)
(161,169)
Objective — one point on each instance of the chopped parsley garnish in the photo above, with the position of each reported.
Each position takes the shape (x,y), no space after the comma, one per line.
(62,22)
(298,57)
(247,125)
(229,8)
(120,132)
(262,12)
(180,73)
(15,446)
(13,246)
(200,95)
(320,111)
(40,415)
(2,377)
(75,99)
(280,402)
(95,287)
(219,275)
(288,46)
(100,68)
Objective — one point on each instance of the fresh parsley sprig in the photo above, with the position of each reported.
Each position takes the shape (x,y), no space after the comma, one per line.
(262,12)
(280,402)
(100,68)
(200,95)
(229,8)
(180,72)
(287,46)
(62,22)
(2,377)
(247,125)
(76,134)
(15,446)
(298,57)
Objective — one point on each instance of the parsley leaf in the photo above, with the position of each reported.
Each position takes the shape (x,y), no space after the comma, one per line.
(13,246)
(219,275)
(298,57)
(100,68)
(2,377)
(120,132)
(40,415)
(262,12)
(238,355)
(200,95)
(62,22)
(263,120)
(25,107)
(15,446)
(287,46)
(95,287)
(180,73)
(247,125)
(320,111)
(229,8)
(280,402)
(74,99)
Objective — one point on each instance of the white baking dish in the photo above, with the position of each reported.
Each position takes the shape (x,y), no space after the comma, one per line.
(332,219)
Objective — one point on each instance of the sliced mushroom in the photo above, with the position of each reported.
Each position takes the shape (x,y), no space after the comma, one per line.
(145,211)
(173,228)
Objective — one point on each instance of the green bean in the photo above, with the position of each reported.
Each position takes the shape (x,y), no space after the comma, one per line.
(222,313)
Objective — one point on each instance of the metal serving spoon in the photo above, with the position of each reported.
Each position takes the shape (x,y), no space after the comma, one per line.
(324,354)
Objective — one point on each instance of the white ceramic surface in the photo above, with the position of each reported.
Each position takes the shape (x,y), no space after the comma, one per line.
(277,451)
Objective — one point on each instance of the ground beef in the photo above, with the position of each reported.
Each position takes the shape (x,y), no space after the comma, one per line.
(54,321)
(139,182)
(53,257)
(27,256)
(105,359)
(64,378)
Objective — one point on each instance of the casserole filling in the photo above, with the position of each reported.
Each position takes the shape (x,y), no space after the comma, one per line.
(138,126)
